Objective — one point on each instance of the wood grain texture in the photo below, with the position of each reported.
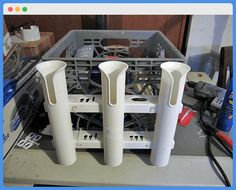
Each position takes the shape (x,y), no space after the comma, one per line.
(58,24)
(171,25)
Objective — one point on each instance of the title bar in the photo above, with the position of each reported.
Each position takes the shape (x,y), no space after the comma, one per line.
(117,9)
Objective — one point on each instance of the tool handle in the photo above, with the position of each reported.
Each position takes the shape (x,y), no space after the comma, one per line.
(228,141)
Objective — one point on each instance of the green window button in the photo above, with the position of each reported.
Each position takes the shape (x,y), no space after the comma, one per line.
(24,9)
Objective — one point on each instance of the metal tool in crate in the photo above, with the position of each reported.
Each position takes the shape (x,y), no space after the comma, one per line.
(113,104)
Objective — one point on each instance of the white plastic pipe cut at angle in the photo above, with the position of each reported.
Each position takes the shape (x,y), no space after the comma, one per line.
(169,106)
(56,101)
(113,98)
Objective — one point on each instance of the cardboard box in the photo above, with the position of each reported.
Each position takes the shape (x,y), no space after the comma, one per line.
(39,47)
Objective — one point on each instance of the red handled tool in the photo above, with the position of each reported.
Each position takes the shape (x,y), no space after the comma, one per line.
(221,135)
(226,139)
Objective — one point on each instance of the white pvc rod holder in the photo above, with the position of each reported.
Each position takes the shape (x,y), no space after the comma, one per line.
(56,101)
(113,97)
(169,106)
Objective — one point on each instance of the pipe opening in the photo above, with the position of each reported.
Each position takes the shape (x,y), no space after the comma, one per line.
(112,71)
(48,71)
(176,71)
(50,88)
(175,89)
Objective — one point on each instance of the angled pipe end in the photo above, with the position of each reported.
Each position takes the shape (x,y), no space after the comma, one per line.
(48,70)
(48,67)
(170,67)
(176,72)
(112,70)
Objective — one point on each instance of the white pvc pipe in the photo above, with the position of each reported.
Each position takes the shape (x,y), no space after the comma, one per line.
(169,106)
(56,101)
(113,97)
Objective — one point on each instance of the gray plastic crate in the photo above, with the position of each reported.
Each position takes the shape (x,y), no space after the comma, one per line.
(142,68)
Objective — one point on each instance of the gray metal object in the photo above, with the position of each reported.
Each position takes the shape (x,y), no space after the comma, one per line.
(85,52)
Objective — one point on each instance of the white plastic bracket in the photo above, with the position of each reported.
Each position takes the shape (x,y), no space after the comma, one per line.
(93,104)
(94,139)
